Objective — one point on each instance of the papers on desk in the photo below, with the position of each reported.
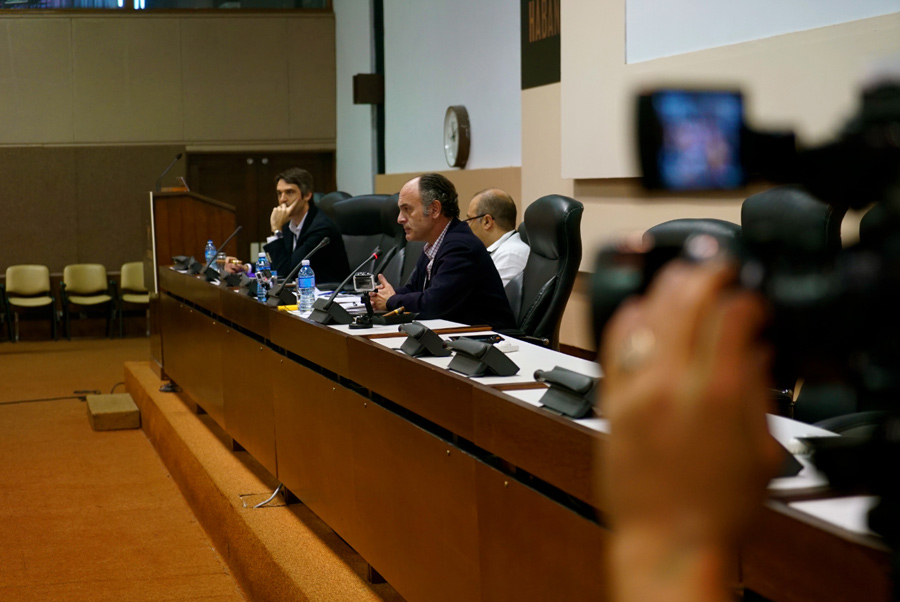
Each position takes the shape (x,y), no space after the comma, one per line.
(786,431)
(394,329)
(528,358)
(850,513)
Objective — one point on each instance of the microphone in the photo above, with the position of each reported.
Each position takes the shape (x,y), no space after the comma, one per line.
(166,170)
(213,274)
(385,260)
(280,295)
(326,311)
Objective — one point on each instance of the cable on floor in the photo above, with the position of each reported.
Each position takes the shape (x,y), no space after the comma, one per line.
(274,493)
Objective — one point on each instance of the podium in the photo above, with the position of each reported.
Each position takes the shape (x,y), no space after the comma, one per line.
(179,223)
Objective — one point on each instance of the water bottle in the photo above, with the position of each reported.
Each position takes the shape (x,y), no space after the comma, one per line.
(306,287)
(210,253)
(261,289)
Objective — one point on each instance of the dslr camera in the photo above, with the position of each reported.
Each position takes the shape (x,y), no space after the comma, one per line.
(835,317)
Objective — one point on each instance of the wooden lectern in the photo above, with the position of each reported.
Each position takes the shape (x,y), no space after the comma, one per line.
(179,223)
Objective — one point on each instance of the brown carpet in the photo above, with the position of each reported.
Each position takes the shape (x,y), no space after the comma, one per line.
(87,515)
(96,516)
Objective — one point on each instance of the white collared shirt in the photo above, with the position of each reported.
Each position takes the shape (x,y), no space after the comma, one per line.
(510,255)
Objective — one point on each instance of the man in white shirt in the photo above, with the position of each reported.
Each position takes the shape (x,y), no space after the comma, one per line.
(492,217)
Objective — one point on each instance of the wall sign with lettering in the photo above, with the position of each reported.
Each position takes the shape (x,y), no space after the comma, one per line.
(540,42)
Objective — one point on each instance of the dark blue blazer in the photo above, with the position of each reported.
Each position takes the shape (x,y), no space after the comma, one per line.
(464,286)
(329,263)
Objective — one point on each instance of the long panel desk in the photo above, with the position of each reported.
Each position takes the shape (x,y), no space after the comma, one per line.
(452,489)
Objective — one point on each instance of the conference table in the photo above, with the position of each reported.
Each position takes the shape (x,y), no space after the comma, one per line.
(452,488)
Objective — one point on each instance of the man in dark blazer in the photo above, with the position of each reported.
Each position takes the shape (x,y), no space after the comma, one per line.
(455,278)
(297,227)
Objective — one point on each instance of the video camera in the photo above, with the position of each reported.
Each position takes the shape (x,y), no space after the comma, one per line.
(835,317)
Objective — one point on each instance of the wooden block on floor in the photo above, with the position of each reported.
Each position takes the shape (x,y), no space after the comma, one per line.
(113,412)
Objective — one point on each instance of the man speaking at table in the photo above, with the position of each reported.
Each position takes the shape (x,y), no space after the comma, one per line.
(454,278)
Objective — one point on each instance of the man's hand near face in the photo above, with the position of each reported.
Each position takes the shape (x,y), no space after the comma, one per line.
(379,297)
(280,215)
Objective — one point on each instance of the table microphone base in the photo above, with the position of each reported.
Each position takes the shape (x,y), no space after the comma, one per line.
(327,312)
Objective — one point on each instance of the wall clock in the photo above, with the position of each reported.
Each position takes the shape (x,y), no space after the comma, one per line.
(456,136)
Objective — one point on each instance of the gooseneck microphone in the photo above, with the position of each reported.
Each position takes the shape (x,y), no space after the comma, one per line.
(222,246)
(326,311)
(385,260)
(166,170)
(281,296)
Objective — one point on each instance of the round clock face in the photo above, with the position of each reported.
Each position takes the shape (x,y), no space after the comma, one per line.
(456,136)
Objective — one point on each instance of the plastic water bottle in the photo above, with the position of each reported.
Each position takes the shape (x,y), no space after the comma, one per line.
(261,289)
(210,253)
(306,287)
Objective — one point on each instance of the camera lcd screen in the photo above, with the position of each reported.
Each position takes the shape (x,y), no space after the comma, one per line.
(692,140)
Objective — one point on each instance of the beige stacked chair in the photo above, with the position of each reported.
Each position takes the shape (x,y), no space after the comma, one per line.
(85,284)
(133,290)
(28,286)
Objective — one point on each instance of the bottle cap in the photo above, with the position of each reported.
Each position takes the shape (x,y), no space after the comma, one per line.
(304,262)
(262,254)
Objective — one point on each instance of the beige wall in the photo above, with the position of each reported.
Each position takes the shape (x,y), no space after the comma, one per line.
(209,80)
(95,106)
(467,183)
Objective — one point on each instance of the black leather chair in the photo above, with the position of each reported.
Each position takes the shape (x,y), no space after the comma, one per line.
(397,265)
(359,221)
(788,221)
(790,228)
(539,295)
(326,202)
(674,233)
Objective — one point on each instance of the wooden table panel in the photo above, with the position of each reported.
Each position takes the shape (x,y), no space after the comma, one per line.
(195,288)
(433,393)
(796,558)
(248,395)
(417,494)
(193,343)
(550,447)
(314,342)
(248,313)
(533,548)
(315,444)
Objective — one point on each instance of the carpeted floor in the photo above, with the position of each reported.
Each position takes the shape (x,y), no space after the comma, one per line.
(84,515)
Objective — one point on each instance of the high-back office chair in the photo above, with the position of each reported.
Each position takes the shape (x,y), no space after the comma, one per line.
(85,285)
(132,291)
(789,226)
(674,233)
(523,232)
(789,221)
(539,295)
(27,287)
(326,202)
(395,267)
(360,222)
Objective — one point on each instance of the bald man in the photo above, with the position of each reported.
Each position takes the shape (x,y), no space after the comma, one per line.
(492,217)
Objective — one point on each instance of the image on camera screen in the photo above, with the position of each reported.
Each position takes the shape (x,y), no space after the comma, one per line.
(701,139)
